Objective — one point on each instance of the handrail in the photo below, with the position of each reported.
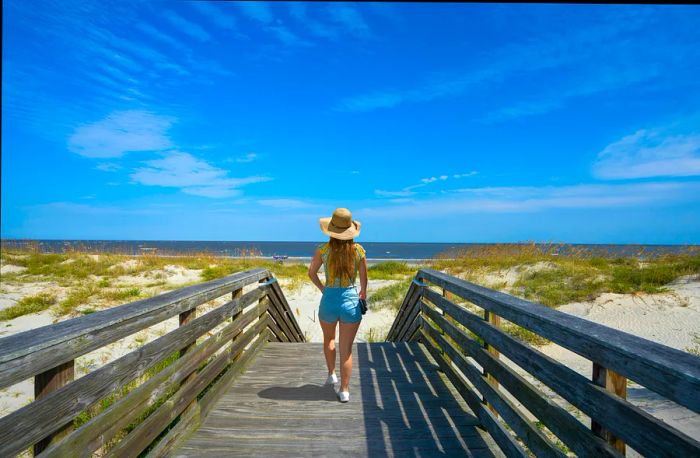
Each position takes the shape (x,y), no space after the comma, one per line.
(175,377)
(452,333)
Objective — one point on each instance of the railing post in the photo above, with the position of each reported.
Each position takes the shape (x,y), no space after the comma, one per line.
(44,384)
(260,301)
(616,384)
(235,295)
(495,320)
(186,317)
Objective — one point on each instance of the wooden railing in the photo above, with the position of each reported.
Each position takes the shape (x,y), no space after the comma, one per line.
(467,347)
(181,377)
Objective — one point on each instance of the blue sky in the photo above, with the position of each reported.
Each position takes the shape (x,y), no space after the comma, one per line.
(431,122)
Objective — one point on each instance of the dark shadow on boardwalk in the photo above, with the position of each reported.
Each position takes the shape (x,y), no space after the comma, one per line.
(408,409)
(300,393)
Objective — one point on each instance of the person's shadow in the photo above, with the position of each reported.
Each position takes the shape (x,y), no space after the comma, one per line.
(306,392)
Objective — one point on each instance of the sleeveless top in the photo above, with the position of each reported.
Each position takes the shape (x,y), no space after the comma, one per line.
(333,280)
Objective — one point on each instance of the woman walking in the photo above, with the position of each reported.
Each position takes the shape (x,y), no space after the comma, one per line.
(342,260)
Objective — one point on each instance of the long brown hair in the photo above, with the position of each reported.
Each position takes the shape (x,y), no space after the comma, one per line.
(341,258)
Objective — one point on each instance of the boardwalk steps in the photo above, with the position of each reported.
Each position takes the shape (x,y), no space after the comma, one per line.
(236,378)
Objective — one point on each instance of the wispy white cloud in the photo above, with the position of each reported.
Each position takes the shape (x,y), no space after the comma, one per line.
(258,11)
(299,12)
(250,157)
(190,28)
(122,132)
(284,35)
(215,14)
(160,35)
(532,199)
(350,19)
(191,175)
(108,167)
(627,62)
(651,153)
(410,190)
(286,203)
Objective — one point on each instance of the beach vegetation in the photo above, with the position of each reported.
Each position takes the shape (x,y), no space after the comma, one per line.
(390,270)
(29,304)
(542,274)
(76,297)
(389,296)
(121,294)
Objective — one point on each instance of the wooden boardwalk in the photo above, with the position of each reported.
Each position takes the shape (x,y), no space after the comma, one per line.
(400,405)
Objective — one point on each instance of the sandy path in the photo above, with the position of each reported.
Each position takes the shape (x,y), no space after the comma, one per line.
(305,300)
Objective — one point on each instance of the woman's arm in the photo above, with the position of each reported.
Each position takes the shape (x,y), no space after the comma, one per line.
(315,265)
(363,278)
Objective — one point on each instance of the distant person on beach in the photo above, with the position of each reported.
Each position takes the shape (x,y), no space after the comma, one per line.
(342,259)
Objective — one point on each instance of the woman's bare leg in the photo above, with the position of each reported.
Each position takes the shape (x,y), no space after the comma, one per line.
(329,344)
(347,336)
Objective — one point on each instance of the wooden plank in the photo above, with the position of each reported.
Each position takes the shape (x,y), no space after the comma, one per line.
(28,353)
(409,312)
(141,436)
(616,384)
(495,321)
(100,429)
(209,400)
(535,440)
(280,316)
(400,314)
(187,424)
(672,373)
(640,430)
(564,425)
(46,383)
(290,316)
(29,424)
(505,441)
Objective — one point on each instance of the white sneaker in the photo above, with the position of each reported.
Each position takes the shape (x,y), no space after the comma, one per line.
(343,396)
(332,379)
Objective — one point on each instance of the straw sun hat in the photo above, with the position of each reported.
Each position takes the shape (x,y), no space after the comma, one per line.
(340,225)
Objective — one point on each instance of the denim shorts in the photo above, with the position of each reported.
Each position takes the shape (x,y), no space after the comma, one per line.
(340,304)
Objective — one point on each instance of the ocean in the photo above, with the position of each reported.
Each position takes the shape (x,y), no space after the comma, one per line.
(375,250)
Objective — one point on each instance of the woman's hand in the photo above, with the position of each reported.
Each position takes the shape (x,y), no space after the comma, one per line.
(363,294)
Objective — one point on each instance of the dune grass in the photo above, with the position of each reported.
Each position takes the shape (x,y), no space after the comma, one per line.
(29,304)
(390,270)
(556,280)
(389,296)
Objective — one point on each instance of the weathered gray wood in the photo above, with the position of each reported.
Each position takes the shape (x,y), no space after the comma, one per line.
(289,314)
(406,313)
(189,421)
(29,424)
(280,400)
(640,430)
(405,304)
(278,311)
(100,429)
(535,440)
(505,441)
(46,383)
(616,384)
(138,439)
(564,425)
(411,317)
(672,373)
(29,353)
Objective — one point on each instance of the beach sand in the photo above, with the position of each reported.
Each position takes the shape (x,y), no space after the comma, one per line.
(671,318)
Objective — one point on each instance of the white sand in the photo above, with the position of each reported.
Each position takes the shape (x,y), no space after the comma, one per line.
(304,303)
(11,269)
(671,318)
